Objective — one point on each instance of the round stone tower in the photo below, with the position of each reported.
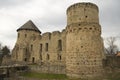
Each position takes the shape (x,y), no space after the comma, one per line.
(23,47)
(27,32)
(84,45)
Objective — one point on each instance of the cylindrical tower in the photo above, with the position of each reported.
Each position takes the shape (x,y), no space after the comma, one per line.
(82,12)
(26,34)
(84,45)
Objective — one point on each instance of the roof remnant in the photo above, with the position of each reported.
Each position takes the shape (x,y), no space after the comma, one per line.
(29,25)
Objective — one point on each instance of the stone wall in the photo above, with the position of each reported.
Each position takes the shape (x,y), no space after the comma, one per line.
(49,48)
(79,47)
(35,48)
(57,69)
(112,61)
(25,78)
(21,51)
(84,47)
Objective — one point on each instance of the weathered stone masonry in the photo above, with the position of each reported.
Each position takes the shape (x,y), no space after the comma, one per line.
(33,47)
(79,47)
(84,45)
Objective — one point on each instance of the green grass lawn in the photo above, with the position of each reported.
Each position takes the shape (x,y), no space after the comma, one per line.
(112,76)
(44,75)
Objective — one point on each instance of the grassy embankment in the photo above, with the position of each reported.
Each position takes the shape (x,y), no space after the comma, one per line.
(44,75)
(112,76)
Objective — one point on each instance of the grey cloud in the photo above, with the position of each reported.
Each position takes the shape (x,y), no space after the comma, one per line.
(12,3)
(54,20)
(109,18)
(111,13)
(46,26)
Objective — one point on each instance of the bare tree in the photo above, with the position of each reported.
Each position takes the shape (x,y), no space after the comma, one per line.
(112,47)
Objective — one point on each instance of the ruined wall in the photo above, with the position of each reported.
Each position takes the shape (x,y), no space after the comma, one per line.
(57,69)
(50,48)
(79,47)
(84,46)
(21,51)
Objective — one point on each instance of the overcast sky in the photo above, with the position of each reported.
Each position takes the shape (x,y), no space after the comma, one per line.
(50,15)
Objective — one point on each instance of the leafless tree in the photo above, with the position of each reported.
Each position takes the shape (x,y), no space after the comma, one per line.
(112,47)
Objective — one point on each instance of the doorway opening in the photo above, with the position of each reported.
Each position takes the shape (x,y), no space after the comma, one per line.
(33,60)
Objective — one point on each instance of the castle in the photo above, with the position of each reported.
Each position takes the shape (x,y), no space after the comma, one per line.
(79,46)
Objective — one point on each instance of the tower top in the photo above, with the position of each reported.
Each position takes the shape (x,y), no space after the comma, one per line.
(83,4)
(29,25)
(82,13)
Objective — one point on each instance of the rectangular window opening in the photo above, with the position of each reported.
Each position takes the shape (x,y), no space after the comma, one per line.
(40,47)
(31,47)
(59,45)
(46,47)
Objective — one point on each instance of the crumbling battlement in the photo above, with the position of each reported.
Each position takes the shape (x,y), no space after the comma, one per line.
(49,35)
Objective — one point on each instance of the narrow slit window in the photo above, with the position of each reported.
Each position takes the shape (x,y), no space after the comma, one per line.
(59,45)
(40,47)
(46,47)
(60,57)
(31,47)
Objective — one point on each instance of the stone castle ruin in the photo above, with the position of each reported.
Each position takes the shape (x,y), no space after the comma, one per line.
(79,47)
